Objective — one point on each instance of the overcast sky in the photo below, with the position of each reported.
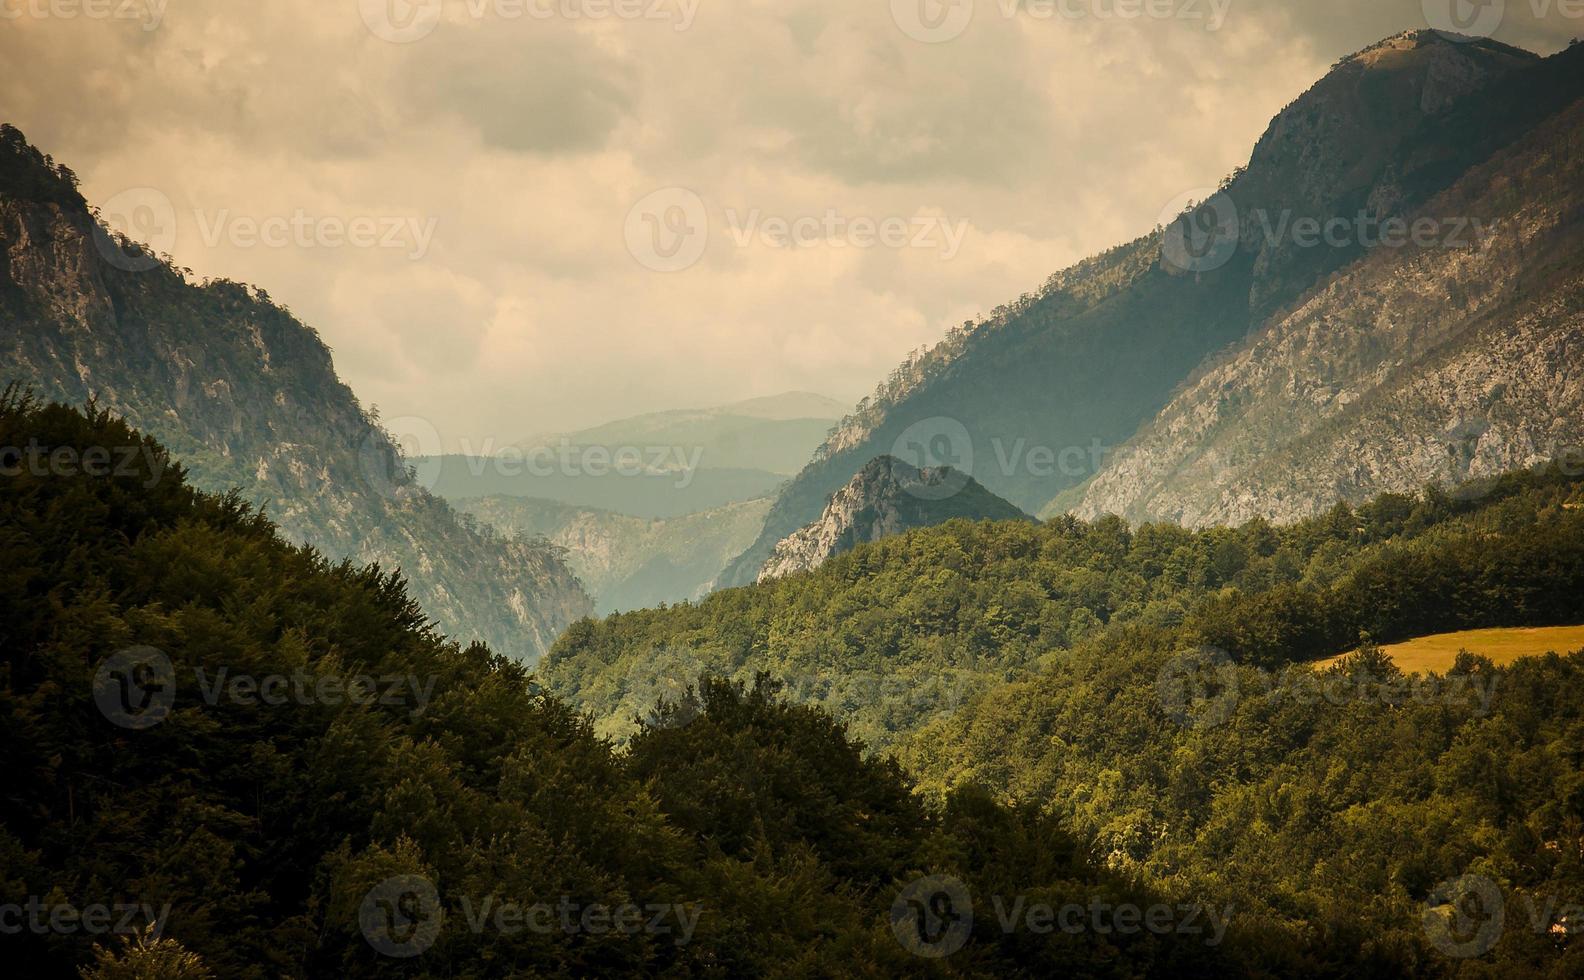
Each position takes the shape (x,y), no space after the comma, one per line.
(516,216)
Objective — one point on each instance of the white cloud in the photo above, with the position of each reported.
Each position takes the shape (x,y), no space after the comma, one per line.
(524,142)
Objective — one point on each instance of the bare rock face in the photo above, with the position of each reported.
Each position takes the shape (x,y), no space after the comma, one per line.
(887,497)
(246,397)
(1420,364)
(1104,346)
(628,562)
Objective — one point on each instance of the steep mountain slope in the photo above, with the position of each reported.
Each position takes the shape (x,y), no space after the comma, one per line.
(1076,368)
(246,396)
(629,562)
(1418,364)
(886,497)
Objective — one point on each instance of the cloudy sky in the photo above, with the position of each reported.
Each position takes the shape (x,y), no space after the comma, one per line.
(517,216)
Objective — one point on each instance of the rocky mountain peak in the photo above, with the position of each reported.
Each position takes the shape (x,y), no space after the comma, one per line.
(887,496)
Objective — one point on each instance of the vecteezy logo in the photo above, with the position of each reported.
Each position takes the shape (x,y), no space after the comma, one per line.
(135,687)
(932,21)
(1199,687)
(1465,20)
(932,443)
(1463,916)
(400,21)
(401,916)
(1462,445)
(414,439)
(668,229)
(1200,237)
(933,916)
(141,214)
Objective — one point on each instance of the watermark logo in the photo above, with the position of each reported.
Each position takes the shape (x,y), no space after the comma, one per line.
(135,687)
(1202,687)
(1203,234)
(1212,12)
(1471,464)
(400,21)
(933,916)
(1199,687)
(832,229)
(1199,230)
(931,443)
(401,916)
(138,214)
(1101,917)
(406,21)
(99,462)
(303,230)
(667,230)
(1463,916)
(149,13)
(1464,20)
(41,918)
(938,21)
(565,458)
(932,21)
(414,438)
(571,917)
(139,225)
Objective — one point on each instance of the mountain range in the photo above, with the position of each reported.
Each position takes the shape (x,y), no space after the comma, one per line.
(1158,379)
(628,562)
(247,397)
(660,465)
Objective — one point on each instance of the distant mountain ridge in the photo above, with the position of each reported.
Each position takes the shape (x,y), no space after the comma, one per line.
(774,433)
(652,494)
(659,466)
(886,497)
(246,396)
(1103,347)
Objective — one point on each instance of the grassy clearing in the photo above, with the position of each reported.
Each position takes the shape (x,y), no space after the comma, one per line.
(1436,652)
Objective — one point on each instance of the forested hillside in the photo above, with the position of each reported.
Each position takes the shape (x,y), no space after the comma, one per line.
(247,397)
(907,629)
(312,828)
(1152,688)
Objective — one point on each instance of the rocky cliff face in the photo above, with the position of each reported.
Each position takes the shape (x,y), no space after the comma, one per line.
(247,397)
(886,497)
(1438,363)
(629,562)
(1103,347)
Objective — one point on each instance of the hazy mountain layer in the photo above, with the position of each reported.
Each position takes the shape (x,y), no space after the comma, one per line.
(777,433)
(628,562)
(592,483)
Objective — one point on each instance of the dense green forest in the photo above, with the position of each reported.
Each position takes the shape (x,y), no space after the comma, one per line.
(454,818)
(905,630)
(1162,707)
(316,829)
